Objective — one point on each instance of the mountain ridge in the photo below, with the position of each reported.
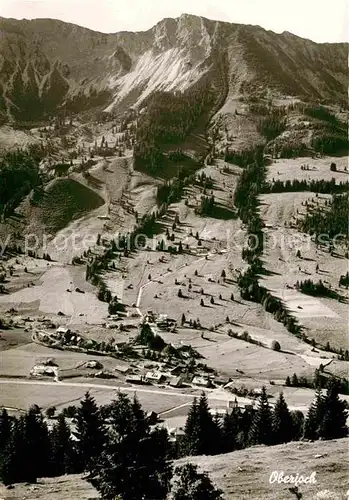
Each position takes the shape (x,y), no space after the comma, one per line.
(47,65)
(121,32)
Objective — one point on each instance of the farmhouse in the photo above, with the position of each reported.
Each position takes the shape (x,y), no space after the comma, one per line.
(222,380)
(220,412)
(135,379)
(122,369)
(42,370)
(93,364)
(156,377)
(175,428)
(163,321)
(42,336)
(177,370)
(176,382)
(201,381)
(149,317)
(62,331)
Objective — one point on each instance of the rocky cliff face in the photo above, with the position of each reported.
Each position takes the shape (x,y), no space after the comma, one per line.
(47,65)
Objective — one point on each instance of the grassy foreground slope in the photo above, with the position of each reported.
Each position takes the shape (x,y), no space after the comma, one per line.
(71,487)
(242,475)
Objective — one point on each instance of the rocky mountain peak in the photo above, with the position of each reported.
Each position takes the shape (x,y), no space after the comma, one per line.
(173,55)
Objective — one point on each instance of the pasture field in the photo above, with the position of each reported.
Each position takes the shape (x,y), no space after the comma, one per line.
(54,292)
(244,474)
(319,169)
(58,488)
(324,319)
(175,284)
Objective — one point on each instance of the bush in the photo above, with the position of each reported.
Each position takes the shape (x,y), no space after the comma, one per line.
(275,346)
(147,337)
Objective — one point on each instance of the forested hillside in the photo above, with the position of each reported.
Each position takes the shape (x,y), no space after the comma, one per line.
(167,121)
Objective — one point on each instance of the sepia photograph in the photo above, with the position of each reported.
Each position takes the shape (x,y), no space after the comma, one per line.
(174,250)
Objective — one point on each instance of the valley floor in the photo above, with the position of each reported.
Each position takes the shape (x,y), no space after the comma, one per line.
(150,280)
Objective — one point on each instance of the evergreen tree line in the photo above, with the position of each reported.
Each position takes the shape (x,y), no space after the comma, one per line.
(246,200)
(320,379)
(315,186)
(315,289)
(272,125)
(321,113)
(207,434)
(251,290)
(124,456)
(19,174)
(240,158)
(289,149)
(204,181)
(127,457)
(172,191)
(331,221)
(168,119)
(330,143)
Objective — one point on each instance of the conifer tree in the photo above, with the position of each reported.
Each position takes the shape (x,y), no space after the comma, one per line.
(201,432)
(191,484)
(5,430)
(13,467)
(294,380)
(36,444)
(230,431)
(209,431)
(89,432)
(191,430)
(26,454)
(62,448)
(333,423)
(134,461)
(314,417)
(297,424)
(282,421)
(261,427)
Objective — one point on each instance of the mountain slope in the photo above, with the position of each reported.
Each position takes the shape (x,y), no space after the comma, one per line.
(47,64)
(244,474)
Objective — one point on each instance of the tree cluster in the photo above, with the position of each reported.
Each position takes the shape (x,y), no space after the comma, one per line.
(241,158)
(315,186)
(318,289)
(19,174)
(271,125)
(344,280)
(147,338)
(327,415)
(206,433)
(125,457)
(167,120)
(330,221)
(207,205)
